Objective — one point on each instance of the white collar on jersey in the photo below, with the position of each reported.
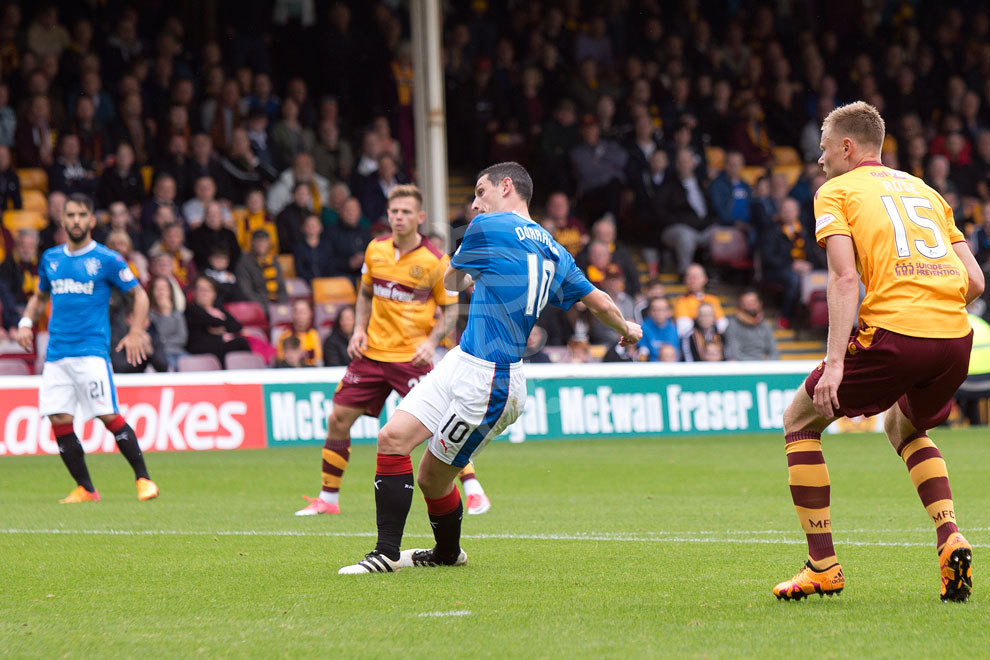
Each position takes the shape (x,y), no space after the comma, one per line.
(83,250)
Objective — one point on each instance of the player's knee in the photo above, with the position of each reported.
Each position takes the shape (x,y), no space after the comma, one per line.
(337,426)
(389,442)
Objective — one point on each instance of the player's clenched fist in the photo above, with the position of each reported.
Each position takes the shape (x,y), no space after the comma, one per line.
(633,334)
(25,337)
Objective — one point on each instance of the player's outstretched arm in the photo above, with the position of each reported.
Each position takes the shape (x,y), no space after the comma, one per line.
(605,310)
(135,344)
(456,280)
(973,271)
(362,315)
(25,334)
(843,301)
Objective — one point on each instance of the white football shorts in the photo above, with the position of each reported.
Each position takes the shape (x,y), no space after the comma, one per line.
(465,402)
(78,386)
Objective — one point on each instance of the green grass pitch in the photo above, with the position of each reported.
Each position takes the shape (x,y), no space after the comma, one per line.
(632,548)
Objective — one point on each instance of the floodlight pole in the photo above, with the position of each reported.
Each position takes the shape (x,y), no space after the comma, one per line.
(429,118)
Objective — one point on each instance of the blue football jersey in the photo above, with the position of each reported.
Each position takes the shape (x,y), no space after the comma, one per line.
(79,284)
(518,269)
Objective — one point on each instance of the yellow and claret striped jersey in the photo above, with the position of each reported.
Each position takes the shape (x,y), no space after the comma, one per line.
(406,291)
(903,233)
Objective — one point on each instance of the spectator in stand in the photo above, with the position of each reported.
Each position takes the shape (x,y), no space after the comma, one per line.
(788,253)
(168,321)
(91,87)
(194,210)
(330,214)
(768,198)
(19,271)
(599,172)
(938,176)
(94,142)
(211,235)
(333,155)
(289,220)
(596,260)
(669,353)
(751,137)
(659,329)
(702,333)
(54,233)
(643,225)
(172,243)
(262,146)
(565,227)
(211,328)
(980,241)
(335,345)
(732,197)
(122,181)
(713,352)
(8,118)
(133,127)
(154,357)
(256,217)
(10,183)
(684,210)
(176,163)
(222,115)
(120,242)
(654,289)
(686,307)
(613,284)
(243,169)
(289,137)
(535,344)
(218,270)
(259,275)
(348,240)
(118,218)
(262,97)
(303,330)
(373,196)
(203,161)
(176,123)
(70,174)
(35,135)
(293,355)
(558,137)
(313,256)
(163,266)
(280,194)
(163,194)
(749,336)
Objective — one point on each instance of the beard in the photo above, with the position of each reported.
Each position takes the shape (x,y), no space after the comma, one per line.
(77,234)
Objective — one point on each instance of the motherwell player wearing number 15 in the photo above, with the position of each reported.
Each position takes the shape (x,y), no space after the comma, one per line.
(909,352)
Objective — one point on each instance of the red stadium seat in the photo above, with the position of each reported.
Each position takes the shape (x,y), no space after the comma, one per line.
(325,314)
(818,310)
(249,314)
(203,362)
(257,333)
(14,367)
(728,248)
(244,360)
(279,315)
(297,288)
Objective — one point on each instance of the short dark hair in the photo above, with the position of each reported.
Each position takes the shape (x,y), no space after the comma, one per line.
(81,198)
(291,342)
(521,180)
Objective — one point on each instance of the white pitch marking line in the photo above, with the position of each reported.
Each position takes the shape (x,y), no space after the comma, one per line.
(441,614)
(674,537)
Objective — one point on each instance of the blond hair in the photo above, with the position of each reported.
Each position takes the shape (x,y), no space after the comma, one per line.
(860,121)
(407,190)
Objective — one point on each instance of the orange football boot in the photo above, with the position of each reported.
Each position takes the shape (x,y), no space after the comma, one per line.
(956,561)
(810,581)
(147,490)
(80,494)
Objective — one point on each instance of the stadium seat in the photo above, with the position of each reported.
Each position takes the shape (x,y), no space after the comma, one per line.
(751,174)
(279,315)
(325,314)
(248,313)
(202,362)
(14,367)
(715,157)
(244,360)
(728,247)
(17,220)
(33,178)
(146,173)
(816,280)
(792,172)
(297,288)
(785,155)
(288,264)
(257,333)
(818,310)
(34,200)
(556,353)
(334,289)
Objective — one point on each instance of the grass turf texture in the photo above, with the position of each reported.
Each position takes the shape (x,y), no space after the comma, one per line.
(638,548)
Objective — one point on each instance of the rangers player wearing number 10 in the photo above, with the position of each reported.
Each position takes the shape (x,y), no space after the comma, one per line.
(478,389)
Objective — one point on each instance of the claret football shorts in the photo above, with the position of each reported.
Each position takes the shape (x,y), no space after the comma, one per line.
(465,402)
(77,386)
(881,368)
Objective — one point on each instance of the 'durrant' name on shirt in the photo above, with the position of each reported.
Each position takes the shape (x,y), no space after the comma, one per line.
(66,285)
(534,234)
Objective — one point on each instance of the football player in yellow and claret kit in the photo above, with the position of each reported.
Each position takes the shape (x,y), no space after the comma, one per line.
(396,332)
(909,351)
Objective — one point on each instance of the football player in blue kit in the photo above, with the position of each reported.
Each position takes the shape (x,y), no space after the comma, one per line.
(479,388)
(77,277)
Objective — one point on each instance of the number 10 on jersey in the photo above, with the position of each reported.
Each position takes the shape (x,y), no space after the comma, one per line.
(541,272)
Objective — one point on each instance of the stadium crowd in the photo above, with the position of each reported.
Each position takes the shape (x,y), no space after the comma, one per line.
(241,174)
